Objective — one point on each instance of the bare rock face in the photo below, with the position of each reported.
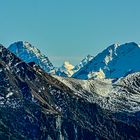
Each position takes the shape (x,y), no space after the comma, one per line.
(37,106)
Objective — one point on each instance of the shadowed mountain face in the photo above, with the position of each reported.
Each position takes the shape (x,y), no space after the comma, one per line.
(37,106)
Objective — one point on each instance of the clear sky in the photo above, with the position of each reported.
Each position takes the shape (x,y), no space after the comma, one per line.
(69,29)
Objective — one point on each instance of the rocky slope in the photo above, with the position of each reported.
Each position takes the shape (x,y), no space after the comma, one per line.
(35,105)
(114,62)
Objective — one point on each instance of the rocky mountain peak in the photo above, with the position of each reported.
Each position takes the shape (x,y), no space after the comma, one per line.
(29,53)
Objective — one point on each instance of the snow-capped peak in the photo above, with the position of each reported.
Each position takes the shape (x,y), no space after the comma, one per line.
(28,46)
(67,65)
(115,61)
(66,70)
(29,53)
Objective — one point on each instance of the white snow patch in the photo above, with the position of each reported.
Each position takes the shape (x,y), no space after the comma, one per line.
(9,94)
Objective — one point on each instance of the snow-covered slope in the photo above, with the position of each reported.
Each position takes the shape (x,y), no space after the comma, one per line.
(119,96)
(84,62)
(29,53)
(114,62)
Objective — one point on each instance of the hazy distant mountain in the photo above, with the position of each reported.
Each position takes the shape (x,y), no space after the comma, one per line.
(37,106)
(114,62)
(29,53)
(67,69)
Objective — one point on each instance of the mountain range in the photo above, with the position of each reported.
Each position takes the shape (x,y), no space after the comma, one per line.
(29,53)
(114,62)
(38,105)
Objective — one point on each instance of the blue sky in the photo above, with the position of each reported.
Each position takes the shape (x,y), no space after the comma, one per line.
(69,29)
